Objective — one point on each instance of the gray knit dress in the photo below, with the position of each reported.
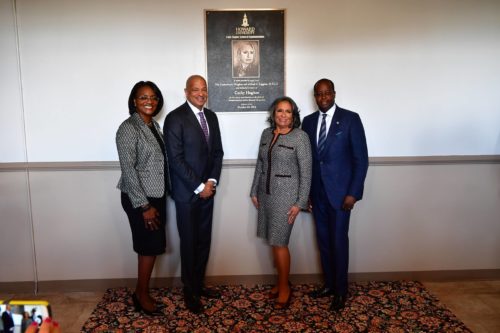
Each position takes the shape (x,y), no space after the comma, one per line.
(281,180)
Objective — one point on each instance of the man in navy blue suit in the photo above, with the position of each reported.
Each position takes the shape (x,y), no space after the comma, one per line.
(8,322)
(194,150)
(340,164)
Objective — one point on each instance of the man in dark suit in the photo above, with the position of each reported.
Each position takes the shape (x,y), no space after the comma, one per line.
(8,322)
(194,151)
(340,164)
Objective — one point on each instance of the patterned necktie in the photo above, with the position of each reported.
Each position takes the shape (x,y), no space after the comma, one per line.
(203,123)
(322,135)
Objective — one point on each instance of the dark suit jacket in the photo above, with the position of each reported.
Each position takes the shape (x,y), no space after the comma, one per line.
(343,165)
(8,322)
(191,160)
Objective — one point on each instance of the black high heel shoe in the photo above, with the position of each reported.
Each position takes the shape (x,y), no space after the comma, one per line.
(284,305)
(138,307)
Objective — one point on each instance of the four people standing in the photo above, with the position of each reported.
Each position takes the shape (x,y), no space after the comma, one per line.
(194,148)
(340,164)
(280,188)
(321,167)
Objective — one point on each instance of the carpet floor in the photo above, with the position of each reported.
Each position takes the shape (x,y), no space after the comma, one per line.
(394,306)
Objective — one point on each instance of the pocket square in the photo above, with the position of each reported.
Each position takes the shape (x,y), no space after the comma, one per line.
(338,133)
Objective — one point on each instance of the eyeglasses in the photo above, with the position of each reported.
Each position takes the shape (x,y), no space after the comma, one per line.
(327,93)
(144,98)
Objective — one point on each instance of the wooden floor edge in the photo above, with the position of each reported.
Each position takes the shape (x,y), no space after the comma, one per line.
(103,284)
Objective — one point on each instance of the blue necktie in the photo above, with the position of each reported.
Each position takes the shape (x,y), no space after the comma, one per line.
(322,135)
(204,125)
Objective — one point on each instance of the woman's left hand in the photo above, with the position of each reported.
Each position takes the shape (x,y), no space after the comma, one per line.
(292,214)
(151,219)
(255,202)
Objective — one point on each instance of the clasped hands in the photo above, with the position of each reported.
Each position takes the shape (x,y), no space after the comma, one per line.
(208,190)
(151,218)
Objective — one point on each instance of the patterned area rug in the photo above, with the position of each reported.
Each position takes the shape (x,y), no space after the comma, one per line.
(398,306)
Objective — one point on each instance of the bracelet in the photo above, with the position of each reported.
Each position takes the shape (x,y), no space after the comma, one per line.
(145,207)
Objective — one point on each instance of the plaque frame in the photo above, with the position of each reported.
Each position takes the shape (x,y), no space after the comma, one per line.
(245,58)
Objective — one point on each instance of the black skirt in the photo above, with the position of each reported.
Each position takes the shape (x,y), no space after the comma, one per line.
(146,242)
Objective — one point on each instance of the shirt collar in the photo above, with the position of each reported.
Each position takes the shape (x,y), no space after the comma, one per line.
(195,109)
(330,111)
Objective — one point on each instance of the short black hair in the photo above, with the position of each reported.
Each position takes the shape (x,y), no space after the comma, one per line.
(131,106)
(295,111)
(330,82)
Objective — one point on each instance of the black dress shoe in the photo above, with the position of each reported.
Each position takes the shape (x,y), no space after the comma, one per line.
(322,292)
(338,303)
(192,303)
(210,293)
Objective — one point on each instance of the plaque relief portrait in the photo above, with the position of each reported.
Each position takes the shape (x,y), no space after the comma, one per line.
(246,58)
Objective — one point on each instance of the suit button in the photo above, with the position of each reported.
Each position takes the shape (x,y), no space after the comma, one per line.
(321,162)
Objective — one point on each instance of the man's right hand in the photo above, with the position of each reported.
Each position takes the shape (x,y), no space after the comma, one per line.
(208,190)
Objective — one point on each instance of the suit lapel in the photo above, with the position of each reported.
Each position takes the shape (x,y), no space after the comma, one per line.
(211,126)
(143,127)
(158,130)
(314,130)
(147,131)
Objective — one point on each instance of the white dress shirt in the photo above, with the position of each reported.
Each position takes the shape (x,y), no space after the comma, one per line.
(328,120)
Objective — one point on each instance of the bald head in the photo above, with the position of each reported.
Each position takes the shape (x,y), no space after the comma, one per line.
(196,91)
(194,77)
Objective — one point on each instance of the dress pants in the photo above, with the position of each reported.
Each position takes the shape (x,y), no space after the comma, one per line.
(332,227)
(194,223)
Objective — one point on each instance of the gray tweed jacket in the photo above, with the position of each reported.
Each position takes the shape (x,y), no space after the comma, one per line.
(285,174)
(141,160)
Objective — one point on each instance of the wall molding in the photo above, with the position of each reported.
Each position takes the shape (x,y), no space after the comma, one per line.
(248,163)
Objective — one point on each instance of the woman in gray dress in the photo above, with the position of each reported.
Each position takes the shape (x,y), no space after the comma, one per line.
(280,188)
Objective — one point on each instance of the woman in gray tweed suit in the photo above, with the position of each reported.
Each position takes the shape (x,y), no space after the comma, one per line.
(144,184)
(280,188)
